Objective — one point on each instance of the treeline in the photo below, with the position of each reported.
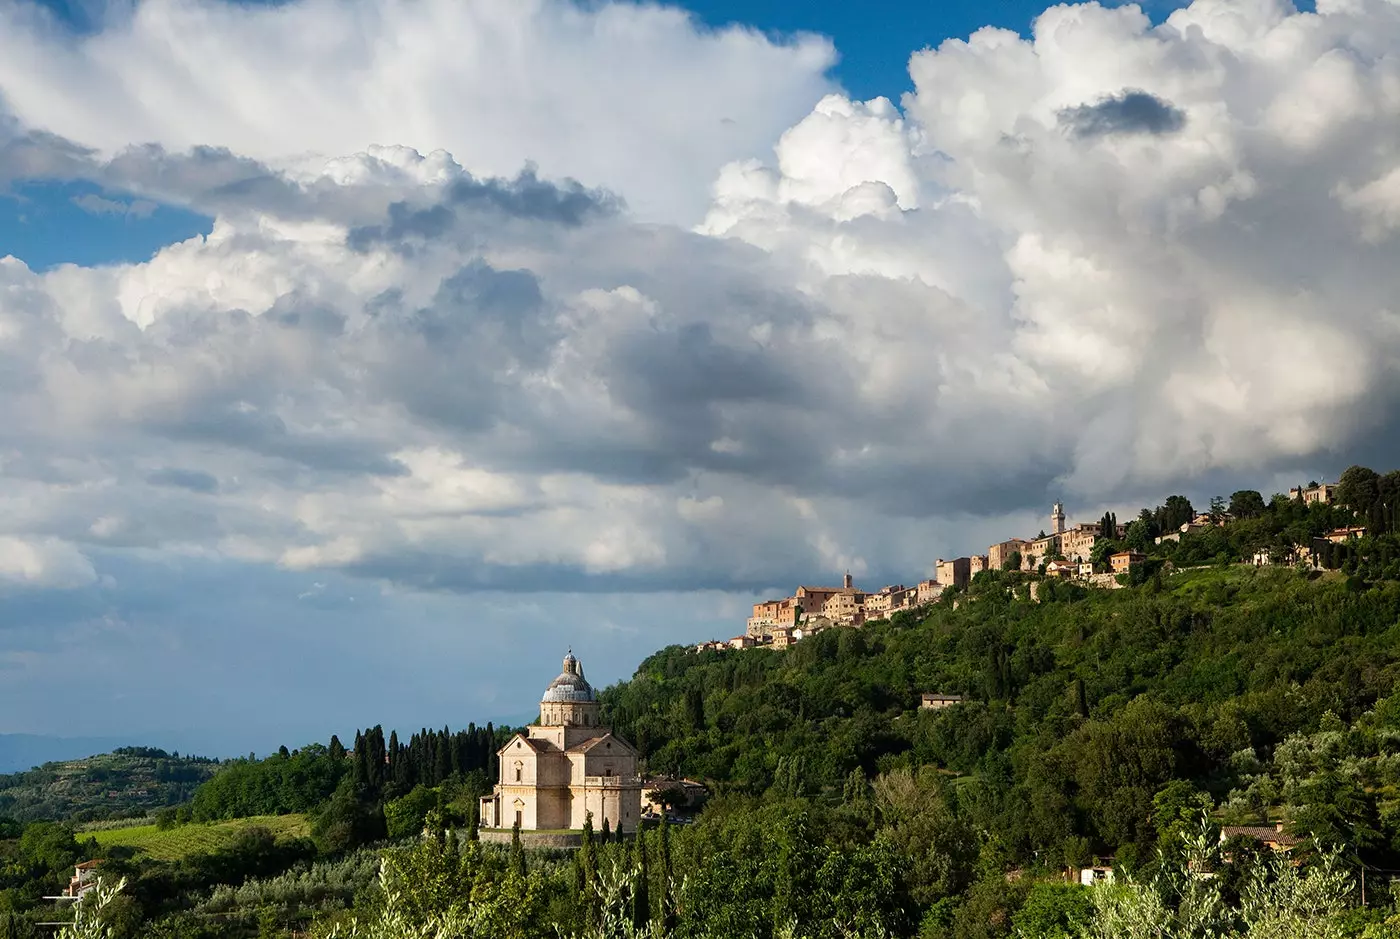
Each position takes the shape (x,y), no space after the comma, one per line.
(378,770)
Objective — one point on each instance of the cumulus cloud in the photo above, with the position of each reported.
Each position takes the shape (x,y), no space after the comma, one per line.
(636,98)
(1099,262)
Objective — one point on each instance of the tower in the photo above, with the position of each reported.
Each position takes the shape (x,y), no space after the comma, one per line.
(1057,518)
(846,582)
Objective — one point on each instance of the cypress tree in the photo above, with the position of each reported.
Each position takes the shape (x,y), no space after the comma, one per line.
(588,870)
(336,750)
(442,759)
(607,832)
(668,897)
(517,851)
(473,820)
(641,891)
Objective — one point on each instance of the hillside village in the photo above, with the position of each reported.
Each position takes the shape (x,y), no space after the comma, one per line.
(1100,554)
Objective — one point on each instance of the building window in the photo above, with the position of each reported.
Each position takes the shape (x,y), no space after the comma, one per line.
(518,771)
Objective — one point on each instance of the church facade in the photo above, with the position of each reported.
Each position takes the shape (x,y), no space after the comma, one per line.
(566,767)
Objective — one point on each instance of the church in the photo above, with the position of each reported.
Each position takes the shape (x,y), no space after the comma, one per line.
(566,766)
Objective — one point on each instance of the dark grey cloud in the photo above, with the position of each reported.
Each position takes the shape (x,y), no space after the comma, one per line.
(192,480)
(1130,112)
(526,197)
(267,433)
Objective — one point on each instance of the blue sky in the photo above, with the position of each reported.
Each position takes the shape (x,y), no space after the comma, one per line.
(45,223)
(674,327)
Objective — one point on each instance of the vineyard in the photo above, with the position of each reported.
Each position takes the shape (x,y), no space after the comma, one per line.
(172,844)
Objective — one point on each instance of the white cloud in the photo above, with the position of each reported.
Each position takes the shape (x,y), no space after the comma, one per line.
(43,563)
(637,98)
(1099,262)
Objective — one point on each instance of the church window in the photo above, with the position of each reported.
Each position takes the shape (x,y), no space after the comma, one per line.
(518,770)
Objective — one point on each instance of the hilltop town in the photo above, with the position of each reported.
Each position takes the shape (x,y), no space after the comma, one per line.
(1101,554)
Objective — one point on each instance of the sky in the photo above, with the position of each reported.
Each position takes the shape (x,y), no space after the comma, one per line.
(360,357)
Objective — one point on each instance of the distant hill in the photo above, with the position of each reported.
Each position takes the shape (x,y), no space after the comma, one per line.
(127,782)
(19,752)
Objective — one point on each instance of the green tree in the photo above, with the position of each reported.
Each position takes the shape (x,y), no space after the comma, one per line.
(1358,488)
(1246,503)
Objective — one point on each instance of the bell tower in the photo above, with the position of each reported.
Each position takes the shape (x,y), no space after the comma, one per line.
(1057,519)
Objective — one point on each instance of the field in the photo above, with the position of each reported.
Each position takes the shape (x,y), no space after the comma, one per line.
(172,844)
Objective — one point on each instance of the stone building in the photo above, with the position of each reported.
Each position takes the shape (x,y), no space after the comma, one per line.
(566,767)
(1077,543)
(839,604)
(954,573)
(999,554)
(1124,561)
(1317,492)
(928,591)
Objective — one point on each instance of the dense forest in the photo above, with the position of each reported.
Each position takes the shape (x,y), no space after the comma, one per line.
(1127,727)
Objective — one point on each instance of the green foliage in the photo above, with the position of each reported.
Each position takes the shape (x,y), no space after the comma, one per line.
(132,781)
(1053,911)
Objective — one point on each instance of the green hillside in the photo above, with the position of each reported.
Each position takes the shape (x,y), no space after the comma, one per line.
(1263,693)
(131,781)
(174,843)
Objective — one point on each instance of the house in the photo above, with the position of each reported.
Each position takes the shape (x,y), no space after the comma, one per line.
(977,564)
(567,767)
(1094,874)
(1343,535)
(743,642)
(1062,569)
(662,794)
(846,607)
(1317,492)
(1124,561)
(782,637)
(888,600)
(937,702)
(1269,836)
(1086,569)
(84,878)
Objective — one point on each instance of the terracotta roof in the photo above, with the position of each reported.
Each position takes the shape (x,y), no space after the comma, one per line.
(539,746)
(89,865)
(592,742)
(1260,833)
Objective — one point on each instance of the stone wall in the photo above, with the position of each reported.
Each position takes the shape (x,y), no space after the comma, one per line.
(528,839)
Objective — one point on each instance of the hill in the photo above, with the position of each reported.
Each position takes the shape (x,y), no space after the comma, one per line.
(19,752)
(1261,693)
(130,781)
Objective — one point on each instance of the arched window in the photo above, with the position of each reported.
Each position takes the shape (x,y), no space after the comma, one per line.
(519,768)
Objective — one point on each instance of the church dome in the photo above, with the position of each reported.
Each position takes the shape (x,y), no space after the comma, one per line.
(570,687)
